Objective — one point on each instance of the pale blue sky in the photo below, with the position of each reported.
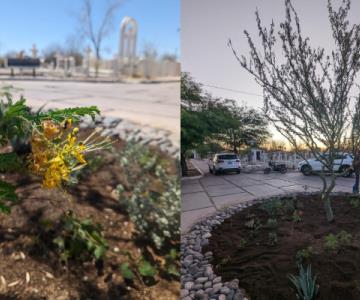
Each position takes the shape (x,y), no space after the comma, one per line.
(46,22)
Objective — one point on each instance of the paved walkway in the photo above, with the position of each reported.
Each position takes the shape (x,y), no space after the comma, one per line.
(153,105)
(203,197)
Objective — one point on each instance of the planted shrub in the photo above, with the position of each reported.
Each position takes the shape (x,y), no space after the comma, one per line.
(80,240)
(272,238)
(305,284)
(304,255)
(47,144)
(336,242)
(155,214)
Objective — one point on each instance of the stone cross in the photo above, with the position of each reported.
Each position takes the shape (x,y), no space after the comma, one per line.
(34,51)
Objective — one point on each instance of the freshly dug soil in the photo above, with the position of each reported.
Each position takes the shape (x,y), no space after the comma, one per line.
(262,268)
(30,264)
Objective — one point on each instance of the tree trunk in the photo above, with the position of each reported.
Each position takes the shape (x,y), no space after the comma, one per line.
(325,197)
(356,186)
(97,62)
(184,169)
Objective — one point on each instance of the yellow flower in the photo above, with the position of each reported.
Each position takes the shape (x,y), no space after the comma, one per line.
(54,157)
(51,130)
(56,173)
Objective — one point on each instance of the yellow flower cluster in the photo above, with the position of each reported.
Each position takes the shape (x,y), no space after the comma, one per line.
(55,158)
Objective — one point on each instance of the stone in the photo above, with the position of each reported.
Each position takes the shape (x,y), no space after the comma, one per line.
(207,284)
(225,290)
(201,280)
(189,285)
(217,279)
(222,297)
(208,271)
(184,293)
(217,287)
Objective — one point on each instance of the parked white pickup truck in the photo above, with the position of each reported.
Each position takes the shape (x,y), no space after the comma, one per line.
(342,164)
(224,162)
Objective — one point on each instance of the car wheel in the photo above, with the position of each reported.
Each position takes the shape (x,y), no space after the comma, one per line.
(238,172)
(306,170)
(215,172)
(345,170)
(267,170)
(283,170)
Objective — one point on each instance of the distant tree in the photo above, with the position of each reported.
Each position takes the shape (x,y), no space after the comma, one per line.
(194,126)
(149,51)
(169,57)
(74,46)
(275,145)
(97,35)
(242,126)
(306,91)
(49,53)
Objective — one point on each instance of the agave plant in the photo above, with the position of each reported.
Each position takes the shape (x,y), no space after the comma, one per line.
(305,284)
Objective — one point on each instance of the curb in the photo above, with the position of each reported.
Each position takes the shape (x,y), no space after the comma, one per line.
(194,177)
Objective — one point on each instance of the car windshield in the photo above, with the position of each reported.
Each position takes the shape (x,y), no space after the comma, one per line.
(227,156)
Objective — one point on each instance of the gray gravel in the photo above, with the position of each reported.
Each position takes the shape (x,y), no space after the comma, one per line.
(129,131)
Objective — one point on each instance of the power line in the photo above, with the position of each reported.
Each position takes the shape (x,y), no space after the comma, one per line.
(232,90)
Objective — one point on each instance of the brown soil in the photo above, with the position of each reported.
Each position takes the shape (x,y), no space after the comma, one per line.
(26,245)
(263,268)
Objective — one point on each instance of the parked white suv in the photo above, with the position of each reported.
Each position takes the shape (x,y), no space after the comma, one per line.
(224,162)
(342,164)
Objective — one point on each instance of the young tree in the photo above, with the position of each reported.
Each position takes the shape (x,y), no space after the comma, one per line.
(306,96)
(97,35)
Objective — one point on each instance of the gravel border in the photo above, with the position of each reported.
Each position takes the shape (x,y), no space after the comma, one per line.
(129,131)
(198,280)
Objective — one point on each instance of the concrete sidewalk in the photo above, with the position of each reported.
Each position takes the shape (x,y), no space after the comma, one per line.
(150,105)
(203,197)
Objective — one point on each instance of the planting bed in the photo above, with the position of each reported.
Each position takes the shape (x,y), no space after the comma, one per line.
(29,262)
(243,249)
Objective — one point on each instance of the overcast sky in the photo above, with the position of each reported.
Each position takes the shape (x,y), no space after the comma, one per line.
(206,25)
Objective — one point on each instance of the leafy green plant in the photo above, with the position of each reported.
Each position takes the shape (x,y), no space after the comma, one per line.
(155,212)
(304,254)
(354,201)
(171,263)
(17,122)
(272,238)
(305,284)
(80,240)
(335,242)
(272,207)
(331,242)
(253,224)
(139,268)
(242,243)
(296,217)
(271,223)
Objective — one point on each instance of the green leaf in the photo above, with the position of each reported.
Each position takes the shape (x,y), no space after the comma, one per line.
(7,192)
(59,115)
(126,272)
(173,270)
(9,162)
(146,269)
(59,241)
(99,252)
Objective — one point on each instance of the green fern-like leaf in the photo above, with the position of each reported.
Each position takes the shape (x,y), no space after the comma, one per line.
(7,194)
(9,162)
(59,115)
